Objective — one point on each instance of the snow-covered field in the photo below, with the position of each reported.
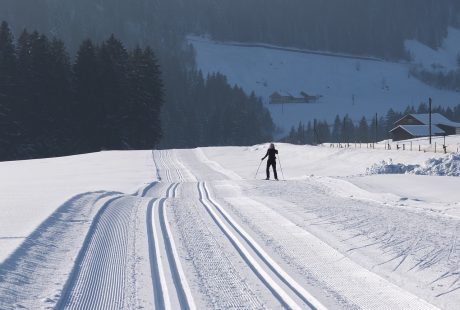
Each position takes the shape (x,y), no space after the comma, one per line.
(358,86)
(198,229)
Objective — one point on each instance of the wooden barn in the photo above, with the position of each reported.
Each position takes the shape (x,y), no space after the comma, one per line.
(417,125)
(282,98)
(405,132)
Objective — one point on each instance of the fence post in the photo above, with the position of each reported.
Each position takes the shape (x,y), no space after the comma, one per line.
(404,147)
(411,145)
(435,147)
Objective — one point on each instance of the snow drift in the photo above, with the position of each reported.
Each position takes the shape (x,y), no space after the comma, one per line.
(444,166)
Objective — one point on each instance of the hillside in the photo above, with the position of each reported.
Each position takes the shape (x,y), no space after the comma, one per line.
(359,86)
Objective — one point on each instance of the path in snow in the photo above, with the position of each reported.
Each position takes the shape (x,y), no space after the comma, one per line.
(38,269)
(201,237)
(289,247)
(101,276)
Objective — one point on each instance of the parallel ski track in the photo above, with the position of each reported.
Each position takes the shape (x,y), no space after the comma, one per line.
(159,233)
(226,225)
(29,275)
(99,278)
(168,164)
(166,160)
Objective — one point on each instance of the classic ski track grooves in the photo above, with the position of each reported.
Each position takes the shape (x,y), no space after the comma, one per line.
(165,263)
(170,285)
(266,278)
(98,278)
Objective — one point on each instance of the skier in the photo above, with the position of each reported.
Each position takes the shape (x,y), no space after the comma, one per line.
(271,153)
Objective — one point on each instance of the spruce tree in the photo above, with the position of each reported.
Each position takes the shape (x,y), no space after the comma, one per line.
(336,130)
(143,125)
(8,91)
(114,91)
(363,131)
(89,112)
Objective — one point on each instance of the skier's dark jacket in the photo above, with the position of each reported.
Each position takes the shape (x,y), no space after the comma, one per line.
(271,153)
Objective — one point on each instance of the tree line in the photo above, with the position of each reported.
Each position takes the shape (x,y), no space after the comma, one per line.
(449,80)
(365,27)
(211,113)
(108,98)
(369,27)
(346,130)
(111,97)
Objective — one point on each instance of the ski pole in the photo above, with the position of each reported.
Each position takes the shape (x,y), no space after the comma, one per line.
(281,167)
(255,177)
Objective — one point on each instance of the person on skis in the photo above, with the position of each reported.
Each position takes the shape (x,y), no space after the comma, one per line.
(271,153)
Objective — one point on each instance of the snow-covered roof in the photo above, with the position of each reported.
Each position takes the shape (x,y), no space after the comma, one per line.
(436,119)
(287,94)
(421,130)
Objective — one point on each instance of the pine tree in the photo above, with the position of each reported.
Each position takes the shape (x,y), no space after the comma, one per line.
(89,112)
(8,90)
(143,126)
(33,68)
(347,131)
(363,131)
(60,103)
(324,134)
(336,130)
(114,91)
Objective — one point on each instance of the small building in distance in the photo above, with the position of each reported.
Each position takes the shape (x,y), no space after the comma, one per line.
(281,98)
(417,125)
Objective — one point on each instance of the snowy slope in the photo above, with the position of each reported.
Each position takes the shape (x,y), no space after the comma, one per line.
(354,85)
(194,229)
(445,58)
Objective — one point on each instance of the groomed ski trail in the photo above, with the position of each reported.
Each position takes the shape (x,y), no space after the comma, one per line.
(171,289)
(192,239)
(259,261)
(339,281)
(284,289)
(102,273)
(37,270)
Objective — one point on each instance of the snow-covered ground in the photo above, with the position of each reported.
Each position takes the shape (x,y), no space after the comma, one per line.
(32,190)
(358,86)
(199,229)
(445,58)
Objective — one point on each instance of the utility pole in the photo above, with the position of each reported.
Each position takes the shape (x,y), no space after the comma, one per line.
(376,127)
(429,108)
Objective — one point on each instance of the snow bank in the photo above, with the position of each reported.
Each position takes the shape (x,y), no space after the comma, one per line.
(444,166)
